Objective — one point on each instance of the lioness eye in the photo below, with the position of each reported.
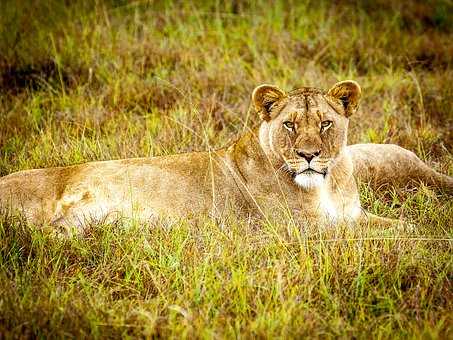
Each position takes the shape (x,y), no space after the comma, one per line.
(325,125)
(289,125)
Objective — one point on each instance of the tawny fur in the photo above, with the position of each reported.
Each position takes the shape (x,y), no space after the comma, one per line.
(263,173)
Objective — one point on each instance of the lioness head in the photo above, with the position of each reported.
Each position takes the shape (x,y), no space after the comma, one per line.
(306,129)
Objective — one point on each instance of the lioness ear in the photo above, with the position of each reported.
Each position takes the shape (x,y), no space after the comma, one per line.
(264,97)
(348,92)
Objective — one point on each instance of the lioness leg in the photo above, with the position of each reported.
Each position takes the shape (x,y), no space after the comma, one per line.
(385,222)
(381,221)
(383,164)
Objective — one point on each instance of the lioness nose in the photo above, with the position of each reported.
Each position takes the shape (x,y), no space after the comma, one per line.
(308,155)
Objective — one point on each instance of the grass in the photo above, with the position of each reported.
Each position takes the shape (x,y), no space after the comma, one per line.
(119,79)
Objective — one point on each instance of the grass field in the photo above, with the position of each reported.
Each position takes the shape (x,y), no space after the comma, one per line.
(86,82)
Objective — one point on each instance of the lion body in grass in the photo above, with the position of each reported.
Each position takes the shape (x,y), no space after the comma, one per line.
(297,161)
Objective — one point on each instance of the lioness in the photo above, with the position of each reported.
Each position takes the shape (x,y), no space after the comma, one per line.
(296,159)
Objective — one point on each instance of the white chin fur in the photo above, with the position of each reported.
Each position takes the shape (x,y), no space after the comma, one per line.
(309,181)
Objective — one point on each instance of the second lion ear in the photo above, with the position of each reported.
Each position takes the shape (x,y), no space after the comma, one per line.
(264,97)
(348,92)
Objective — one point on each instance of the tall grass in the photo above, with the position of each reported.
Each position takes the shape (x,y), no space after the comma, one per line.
(104,80)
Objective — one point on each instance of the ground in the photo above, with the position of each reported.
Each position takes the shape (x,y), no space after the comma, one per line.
(83,81)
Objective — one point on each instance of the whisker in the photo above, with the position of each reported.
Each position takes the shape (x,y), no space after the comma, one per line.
(285,169)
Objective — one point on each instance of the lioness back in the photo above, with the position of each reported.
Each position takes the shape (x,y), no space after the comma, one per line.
(34,192)
(146,187)
(390,164)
